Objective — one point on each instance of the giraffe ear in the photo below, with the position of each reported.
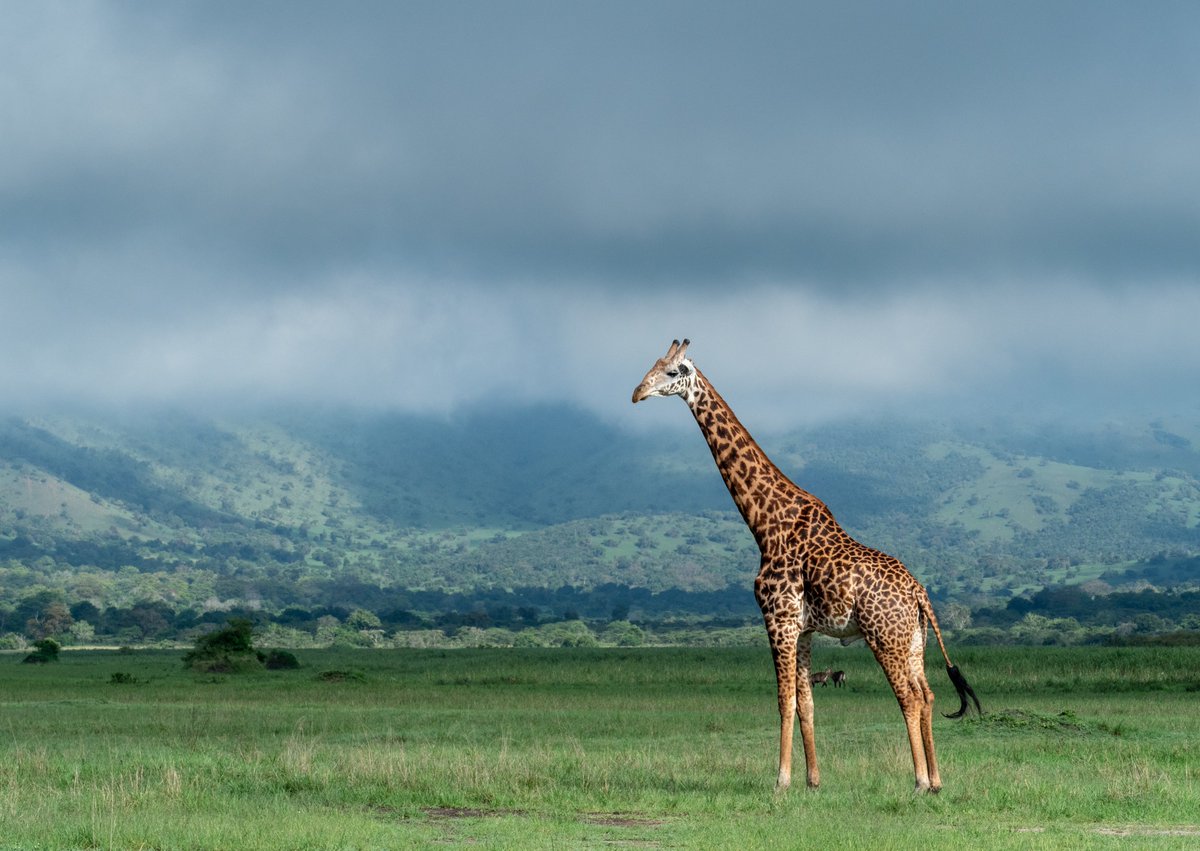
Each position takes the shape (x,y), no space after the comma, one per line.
(684,369)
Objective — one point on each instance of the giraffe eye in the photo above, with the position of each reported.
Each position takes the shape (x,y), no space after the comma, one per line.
(672,373)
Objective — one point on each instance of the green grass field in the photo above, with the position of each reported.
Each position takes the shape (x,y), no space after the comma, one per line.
(612,748)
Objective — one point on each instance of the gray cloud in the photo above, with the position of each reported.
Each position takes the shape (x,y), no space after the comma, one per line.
(420,205)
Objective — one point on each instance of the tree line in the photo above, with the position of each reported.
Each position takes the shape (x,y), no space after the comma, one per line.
(574,616)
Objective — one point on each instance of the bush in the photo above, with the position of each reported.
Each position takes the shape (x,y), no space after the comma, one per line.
(281,660)
(46,650)
(12,641)
(623,634)
(564,634)
(225,651)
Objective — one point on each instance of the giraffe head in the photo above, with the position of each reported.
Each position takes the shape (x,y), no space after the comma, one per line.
(671,375)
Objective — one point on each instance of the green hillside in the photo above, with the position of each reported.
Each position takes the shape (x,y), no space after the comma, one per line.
(314,508)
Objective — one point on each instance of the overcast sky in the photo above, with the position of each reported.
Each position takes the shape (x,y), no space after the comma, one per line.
(847,207)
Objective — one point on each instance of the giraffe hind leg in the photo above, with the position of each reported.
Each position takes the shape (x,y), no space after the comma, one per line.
(903,667)
(931,764)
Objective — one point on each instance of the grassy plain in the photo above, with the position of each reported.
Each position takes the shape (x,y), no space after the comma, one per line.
(575,748)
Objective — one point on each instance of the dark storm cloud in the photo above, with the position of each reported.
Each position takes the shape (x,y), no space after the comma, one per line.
(327,199)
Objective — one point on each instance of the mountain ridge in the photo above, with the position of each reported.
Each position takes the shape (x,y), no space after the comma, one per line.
(267,508)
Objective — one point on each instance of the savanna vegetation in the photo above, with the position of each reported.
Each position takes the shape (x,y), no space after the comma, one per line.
(548,527)
(586,748)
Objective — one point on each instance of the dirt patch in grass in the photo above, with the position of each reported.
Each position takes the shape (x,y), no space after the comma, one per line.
(621,820)
(597,819)
(467,812)
(1148,831)
(454,812)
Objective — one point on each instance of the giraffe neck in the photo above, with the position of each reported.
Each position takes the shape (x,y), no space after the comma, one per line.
(759,489)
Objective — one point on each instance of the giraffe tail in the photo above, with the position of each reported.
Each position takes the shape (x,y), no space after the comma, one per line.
(963,688)
(960,682)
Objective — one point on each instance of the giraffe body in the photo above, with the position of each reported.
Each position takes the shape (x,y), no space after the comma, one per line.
(814,577)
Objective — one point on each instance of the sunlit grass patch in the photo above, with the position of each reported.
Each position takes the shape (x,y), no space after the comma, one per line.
(579,748)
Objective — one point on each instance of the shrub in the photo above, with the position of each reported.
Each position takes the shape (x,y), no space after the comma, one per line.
(225,651)
(12,641)
(281,660)
(46,650)
(623,634)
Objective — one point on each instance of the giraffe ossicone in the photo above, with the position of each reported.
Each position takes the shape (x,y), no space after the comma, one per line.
(814,578)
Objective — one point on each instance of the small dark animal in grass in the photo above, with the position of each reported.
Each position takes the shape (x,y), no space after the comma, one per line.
(822,677)
(839,679)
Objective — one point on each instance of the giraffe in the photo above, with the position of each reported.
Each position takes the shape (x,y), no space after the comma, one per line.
(813,577)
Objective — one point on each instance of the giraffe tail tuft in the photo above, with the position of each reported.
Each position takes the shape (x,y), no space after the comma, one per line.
(964,689)
(960,682)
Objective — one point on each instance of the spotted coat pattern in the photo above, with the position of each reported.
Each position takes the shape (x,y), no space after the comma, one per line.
(813,577)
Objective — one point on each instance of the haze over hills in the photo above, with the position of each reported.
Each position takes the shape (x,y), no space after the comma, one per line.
(235,208)
(310,507)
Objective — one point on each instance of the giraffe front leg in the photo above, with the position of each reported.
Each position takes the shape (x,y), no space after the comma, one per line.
(787,721)
(804,708)
(783,649)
